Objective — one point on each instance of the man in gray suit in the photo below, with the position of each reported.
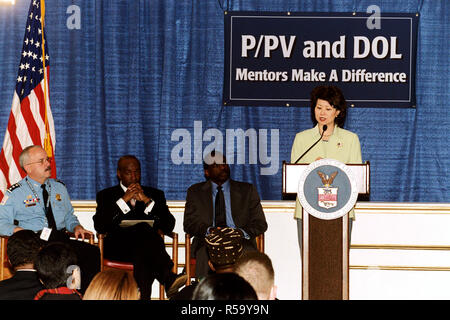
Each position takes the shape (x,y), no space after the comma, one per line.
(221,202)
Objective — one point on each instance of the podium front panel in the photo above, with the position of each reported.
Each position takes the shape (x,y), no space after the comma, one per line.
(325,258)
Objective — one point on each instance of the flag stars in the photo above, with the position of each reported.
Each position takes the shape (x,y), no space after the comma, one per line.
(31,69)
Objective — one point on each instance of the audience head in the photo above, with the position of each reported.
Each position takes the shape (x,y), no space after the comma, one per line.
(112,284)
(224,286)
(129,170)
(256,267)
(215,167)
(224,247)
(56,266)
(22,249)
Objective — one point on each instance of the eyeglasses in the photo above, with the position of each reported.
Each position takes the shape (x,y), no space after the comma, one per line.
(41,161)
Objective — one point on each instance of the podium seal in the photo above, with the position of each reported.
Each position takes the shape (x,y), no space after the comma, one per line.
(327,189)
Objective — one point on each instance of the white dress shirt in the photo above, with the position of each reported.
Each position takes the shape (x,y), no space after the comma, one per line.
(124,206)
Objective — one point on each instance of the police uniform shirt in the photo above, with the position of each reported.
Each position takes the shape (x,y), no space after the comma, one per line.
(23,203)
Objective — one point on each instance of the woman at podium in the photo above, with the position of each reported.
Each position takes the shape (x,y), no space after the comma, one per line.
(327,139)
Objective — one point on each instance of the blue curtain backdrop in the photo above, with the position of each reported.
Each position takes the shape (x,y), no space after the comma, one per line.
(137,75)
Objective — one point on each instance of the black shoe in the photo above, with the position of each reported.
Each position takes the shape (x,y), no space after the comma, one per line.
(179,281)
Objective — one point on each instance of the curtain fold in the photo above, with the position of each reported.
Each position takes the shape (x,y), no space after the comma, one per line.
(145,77)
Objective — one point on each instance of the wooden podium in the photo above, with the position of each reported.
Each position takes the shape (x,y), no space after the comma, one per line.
(325,256)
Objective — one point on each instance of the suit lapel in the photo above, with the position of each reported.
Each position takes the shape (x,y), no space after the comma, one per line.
(235,199)
(118,193)
(207,201)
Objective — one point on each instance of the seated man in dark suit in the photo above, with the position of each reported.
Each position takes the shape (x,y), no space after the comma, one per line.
(221,202)
(22,249)
(141,243)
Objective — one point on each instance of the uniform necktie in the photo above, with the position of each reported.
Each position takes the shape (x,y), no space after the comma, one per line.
(220,208)
(48,209)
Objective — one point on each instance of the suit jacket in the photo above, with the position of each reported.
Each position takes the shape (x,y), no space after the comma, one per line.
(23,285)
(246,211)
(108,215)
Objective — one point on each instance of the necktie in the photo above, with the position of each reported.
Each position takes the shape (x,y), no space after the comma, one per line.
(220,208)
(48,209)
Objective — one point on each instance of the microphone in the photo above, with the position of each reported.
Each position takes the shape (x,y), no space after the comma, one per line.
(324,128)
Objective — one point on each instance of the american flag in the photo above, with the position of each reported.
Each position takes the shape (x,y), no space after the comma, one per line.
(30,121)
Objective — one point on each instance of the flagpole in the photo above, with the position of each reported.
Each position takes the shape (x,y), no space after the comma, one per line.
(47,143)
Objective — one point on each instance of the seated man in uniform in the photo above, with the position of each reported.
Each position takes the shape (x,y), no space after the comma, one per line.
(42,204)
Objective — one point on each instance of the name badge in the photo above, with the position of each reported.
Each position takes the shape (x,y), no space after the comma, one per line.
(45,234)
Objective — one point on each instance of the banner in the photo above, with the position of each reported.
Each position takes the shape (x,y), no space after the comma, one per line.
(278,58)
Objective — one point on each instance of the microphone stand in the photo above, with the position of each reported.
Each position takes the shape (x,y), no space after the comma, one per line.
(325,127)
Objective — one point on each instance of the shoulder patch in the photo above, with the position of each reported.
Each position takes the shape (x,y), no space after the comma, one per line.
(14,186)
(57,180)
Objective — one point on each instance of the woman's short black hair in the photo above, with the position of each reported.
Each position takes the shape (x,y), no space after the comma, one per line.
(334,96)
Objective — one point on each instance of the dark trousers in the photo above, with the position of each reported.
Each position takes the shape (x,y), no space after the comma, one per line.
(144,247)
(88,257)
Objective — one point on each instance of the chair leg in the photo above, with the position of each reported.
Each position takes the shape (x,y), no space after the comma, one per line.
(174,246)
(161,292)
(3,257)
(187,260)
